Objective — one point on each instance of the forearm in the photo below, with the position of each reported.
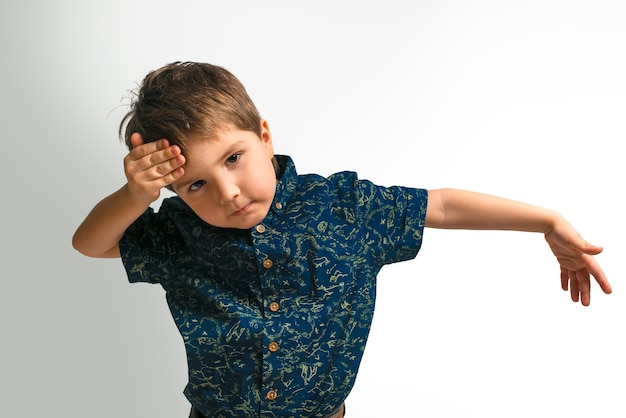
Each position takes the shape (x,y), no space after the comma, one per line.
(100,233)
(459,209)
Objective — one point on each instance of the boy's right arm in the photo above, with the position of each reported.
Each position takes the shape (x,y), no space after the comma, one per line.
(148,168)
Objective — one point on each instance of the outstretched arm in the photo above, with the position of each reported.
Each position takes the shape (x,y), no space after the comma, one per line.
(459,209)
(148,168)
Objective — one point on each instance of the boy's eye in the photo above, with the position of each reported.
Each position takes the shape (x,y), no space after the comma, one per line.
(196,185)
(232,159)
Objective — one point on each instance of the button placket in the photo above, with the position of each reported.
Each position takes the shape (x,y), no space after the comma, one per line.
(266,254)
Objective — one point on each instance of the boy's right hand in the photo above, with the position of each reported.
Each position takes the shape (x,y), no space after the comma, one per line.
(152,166)
(148,167)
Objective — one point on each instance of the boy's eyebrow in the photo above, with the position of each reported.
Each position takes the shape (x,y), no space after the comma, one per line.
(231,149)
(182,185)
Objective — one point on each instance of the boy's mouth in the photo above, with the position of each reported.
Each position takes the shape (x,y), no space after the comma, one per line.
(242,210)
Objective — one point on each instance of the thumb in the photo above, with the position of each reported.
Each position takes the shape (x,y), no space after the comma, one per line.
(136,139)
(591,249)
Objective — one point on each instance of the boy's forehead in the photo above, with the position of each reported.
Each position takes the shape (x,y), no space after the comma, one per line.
(222,133)
(206,150)
(211,132)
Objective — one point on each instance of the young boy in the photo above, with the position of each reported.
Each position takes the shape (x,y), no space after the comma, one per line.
(270,276)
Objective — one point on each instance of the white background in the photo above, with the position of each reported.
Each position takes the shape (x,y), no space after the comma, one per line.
(521,99)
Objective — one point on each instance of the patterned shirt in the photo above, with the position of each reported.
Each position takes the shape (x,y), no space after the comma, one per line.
(275,318)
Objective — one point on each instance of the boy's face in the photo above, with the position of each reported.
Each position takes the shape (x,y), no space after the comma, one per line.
(229,181)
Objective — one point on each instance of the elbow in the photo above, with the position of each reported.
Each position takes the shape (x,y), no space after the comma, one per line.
(93,253)
(81,244)
(78,245)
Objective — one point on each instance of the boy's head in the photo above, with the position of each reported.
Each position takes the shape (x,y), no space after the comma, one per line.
(230,172)
(188,99)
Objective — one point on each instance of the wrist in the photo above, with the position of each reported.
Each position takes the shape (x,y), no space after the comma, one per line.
(137,198)
(552,219)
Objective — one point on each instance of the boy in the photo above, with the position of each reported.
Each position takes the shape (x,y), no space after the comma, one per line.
(270,275)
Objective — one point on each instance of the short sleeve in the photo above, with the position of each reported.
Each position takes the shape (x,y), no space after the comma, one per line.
(149,247)
(393,219)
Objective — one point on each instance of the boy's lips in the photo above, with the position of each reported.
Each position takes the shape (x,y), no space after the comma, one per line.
(242,210)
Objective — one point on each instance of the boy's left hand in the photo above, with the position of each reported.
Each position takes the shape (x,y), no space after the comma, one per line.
(575,256)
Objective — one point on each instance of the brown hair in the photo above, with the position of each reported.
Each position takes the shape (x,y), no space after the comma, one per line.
(188,98)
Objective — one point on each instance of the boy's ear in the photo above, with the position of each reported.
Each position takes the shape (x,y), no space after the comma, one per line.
(266,138)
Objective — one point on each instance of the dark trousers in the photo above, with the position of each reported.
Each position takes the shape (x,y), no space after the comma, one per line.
(195,414)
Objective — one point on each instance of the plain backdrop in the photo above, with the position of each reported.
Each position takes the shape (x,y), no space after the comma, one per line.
(521,99)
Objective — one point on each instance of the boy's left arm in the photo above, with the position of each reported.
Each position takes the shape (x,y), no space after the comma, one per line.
(460,209)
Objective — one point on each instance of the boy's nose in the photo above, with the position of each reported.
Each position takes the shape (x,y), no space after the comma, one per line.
(227,192)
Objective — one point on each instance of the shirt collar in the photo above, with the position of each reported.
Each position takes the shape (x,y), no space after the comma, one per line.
(287,183)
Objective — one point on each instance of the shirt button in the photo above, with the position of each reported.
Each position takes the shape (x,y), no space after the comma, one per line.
(279,206)
(260,229)
(268,263)
(271,395)
(273,347)
(274,306)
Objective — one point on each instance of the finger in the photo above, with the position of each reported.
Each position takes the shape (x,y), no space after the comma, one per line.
(564,279)
(573,287)
(598,274)
(584,287)
(142,149)
(150,156)
(168,166)
(167,178)
(172,176)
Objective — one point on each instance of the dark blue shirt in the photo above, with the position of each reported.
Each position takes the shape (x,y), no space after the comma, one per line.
(275,318)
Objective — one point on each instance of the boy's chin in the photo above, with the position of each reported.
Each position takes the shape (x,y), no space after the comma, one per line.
(240,222)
